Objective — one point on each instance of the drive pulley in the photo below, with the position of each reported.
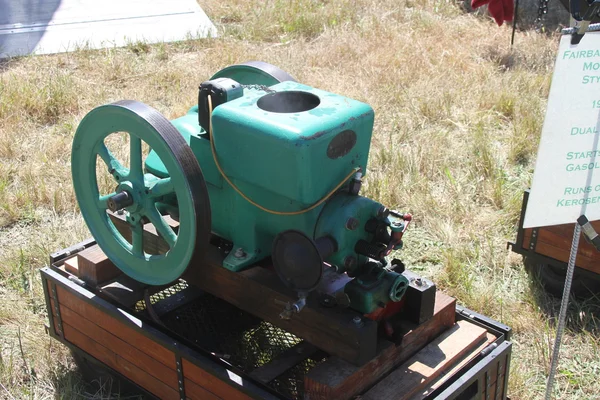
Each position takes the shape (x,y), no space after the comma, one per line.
(139,197)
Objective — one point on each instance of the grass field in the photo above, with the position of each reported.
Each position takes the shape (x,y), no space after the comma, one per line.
(458,119)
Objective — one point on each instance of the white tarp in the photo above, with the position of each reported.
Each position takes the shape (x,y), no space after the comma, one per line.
(55,26)
(566,181)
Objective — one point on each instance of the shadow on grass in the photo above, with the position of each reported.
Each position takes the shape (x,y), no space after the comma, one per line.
(91,380)
(583,312)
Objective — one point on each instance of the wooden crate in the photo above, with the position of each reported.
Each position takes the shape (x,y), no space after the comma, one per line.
(169,365)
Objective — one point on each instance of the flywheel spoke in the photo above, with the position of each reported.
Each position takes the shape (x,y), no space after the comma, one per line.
(137,240)
(102,201)
(113,165)
(135,158)
(162,227)
(161,187)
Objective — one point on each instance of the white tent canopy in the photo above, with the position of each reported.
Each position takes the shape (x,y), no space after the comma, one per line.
(55,26)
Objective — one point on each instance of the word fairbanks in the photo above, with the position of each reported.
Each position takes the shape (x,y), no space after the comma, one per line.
(571,55)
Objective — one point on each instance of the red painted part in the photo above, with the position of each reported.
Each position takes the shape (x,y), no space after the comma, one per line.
(391,308)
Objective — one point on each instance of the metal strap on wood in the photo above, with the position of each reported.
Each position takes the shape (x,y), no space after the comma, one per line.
(180,379)
(59,328)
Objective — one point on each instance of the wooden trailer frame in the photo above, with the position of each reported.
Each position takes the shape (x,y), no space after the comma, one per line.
(551,245)
(163,364)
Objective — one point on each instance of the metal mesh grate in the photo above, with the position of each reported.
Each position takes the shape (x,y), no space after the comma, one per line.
(291,383)
(140,306)
(243,339)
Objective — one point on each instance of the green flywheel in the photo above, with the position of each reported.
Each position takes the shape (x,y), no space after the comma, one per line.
(137,195)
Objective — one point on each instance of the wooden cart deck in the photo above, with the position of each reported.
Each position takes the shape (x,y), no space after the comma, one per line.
(200,347)
(552,244)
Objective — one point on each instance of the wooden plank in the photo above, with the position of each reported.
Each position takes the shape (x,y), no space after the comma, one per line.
(95,267)
(260,292)
(211,383)
(448,372)
(338,379)
(285,361)
(119,364)
(115,342)
(71,266)
(555,242)
(413,375)
(111,324)
(197,392)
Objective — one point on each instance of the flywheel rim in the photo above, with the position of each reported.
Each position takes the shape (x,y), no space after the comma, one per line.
(142,123)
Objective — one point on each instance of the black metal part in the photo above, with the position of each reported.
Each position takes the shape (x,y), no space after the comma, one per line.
(341,144)
(221,90)
(177,300)
(298,260)
(589,232)
(374,251)
(119,201)
(272,70)
(59,327)
(61,255)
(397,265)
(534,237)
(355,186)
(419,298)
(180,378)
(483,321)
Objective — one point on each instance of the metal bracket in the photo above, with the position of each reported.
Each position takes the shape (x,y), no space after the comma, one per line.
(58,328)
(534,237)
(498,374)
(180,379)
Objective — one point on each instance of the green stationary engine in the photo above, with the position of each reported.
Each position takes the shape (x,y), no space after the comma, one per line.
(268,164)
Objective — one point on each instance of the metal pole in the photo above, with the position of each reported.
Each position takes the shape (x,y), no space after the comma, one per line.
(562,316)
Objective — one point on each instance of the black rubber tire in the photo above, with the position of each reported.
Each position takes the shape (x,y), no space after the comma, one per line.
(552,279)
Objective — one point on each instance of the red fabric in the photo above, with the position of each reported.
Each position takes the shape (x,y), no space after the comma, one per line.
(500,10)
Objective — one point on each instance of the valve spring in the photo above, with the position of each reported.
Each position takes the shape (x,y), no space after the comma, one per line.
(375,251)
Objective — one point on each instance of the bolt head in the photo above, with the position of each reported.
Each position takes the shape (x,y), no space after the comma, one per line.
(239,253)
(351,223)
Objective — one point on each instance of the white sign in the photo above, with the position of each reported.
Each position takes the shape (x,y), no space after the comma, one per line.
(566,181)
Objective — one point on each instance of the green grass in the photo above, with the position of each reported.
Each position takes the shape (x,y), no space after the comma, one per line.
(458,119)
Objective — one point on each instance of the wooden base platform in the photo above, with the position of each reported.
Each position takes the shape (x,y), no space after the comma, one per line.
(101,320)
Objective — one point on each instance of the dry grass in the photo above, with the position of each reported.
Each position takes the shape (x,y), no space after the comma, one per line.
(458,117)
